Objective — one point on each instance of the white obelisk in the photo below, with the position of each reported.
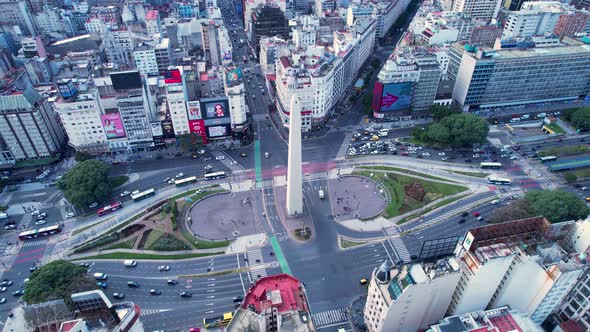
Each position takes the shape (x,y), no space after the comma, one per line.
(294,180)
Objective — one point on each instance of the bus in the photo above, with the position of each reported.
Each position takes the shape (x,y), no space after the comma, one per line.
(109,208)
(215,321)
(143,195)
(35,233)
(215,175)
(185,181)
(548,158)
(489,165)
(245,59)
(497,180)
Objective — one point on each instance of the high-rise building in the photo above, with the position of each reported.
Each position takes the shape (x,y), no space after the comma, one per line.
(498,319)
(385,13)
(410,297)
(268,21)
(270,48)
(176,99)
(145,59)
(576,305)
(216,43)
(485,10)
(17,12)
(236,98)
(485,35)
(489,79)
(119,46)
(152,22)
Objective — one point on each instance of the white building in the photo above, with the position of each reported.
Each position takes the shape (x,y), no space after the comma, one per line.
(152,22)
(55,22)
(236,98)
(176,102)
(439,28)
(526,23)
(490,320)
(80,117)
(485,10)
(270,48)
(410,297)
(119,46)
(145,59)
(385,13)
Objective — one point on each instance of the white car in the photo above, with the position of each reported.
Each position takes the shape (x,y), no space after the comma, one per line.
(40,222)
(476,155)
(135,192)
(219,158)
(93,205)
(36,212)
(179,175)
(442,154)
(171,181)
(2,289)
(125,193)
(70,215)
(3,300)
(513,158)
(426,154)
(494,202)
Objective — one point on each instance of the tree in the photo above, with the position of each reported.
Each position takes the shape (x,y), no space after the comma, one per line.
(81,156)
(190,142)
(439,133)
(465,129)
(57,280)
(518,209)
(438,112)
(581,119)
(556,205)
(570,177)
(420,133)
(86,183)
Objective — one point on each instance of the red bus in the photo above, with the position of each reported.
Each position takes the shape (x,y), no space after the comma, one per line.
(109,208)
(36,233)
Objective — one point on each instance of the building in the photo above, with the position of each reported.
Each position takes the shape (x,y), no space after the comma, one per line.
(384,12)
(152,22)
(236,95)
(7,42)
(268,21)
(270,48)
(439,28)
(517,263)
(503,79)
(28,125)
(16,12)
(485,10)
(526,23)
(176,100)
(163,53)
(119,46)
(410,297)
(576,306)
(500,319)
(485,35)
(145,60)
(407,84)
(80,114)
(249,6)
(273,303)
(216,42)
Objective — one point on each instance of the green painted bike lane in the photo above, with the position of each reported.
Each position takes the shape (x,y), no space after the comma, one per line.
(257,164)
(280,256)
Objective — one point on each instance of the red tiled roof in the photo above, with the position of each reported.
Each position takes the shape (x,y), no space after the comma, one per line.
(504,323)
(285,61)
(67,326)
(291,296)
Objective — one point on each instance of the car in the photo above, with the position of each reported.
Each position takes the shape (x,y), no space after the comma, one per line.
(364,281)
(233,163)
(494,202)
(84,264)
(70,215)
(19,292)
(186,294)
(10,227)
(164,268)
(42,215)
(577,185)
(166,180)
(102,284)
(238,299)
(3,300)
(179,175)
(464,214)
(476,214)
(479,218)
(243,155)
(171,181)
(33,268)
(93,205)
(2,289)
(462,221)
(584,188)
(208,167)
(36,212)
(414,257)
(155,292)
(40,222)
(513,157)
(133,284)
(6,283)
(172,282)
(125,193)
(468,160)
(426,154)
(119,296)
(219,158)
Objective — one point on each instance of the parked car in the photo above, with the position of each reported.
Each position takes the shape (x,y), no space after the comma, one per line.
(19,292)
(40,222)
(179,175)
(6,283)
(70,215)
(93,205)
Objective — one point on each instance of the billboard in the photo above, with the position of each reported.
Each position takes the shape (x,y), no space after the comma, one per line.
(167,129)
(172,76)
(156,129)
(218,131)
(396,97)
(198,127)
(126,80)
(194,110)
(215,108)
(234,76)
(113,126)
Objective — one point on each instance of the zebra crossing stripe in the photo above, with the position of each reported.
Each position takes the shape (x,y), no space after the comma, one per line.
(400,248)
(330,317)
(257,269)
(34,243)
(145,312)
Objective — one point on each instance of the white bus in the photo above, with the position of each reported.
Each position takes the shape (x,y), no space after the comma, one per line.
(490,165)
(185,181)
(548,158)
(215,175)
(497,180)
(143,195)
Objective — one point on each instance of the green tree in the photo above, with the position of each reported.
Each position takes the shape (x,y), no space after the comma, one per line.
(81,156)
(518,209)
(190,142)
(57,280)
(86,183)
(567,113)
(420,133)
(438,112)
(556,205)
(581,119)
(465,129)
(376,63)
(439,133)
(570,177)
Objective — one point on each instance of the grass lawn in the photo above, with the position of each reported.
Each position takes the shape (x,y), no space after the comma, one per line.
(434,207)
(191,192)
(124,224)
(400,204)
(564,150)
(168,242)
(556,128)
(406,171)
(582,173)
(197,197)
(117,181)
(477,175)
(123,245)
(298,233)
(154,236)
(349,244)
(203,244)
(131,255)
(37,162)
(82,229)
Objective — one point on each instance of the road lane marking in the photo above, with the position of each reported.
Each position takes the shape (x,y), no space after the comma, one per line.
(280,256)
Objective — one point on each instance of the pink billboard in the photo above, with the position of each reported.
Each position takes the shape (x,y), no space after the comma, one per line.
(113,126)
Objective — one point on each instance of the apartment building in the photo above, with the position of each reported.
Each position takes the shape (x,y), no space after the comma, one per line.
(485,10)
(497,319)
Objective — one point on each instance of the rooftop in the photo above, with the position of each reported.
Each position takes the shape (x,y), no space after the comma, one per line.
(497,320)
(281,291)
(151,15)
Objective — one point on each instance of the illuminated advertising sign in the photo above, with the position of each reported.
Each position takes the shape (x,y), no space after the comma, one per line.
(198,127)
(172,76)
(168,129)
(396,97)
(218,131)
(216,108)
(234,75)
(194,110)
(156,129)
(113,126)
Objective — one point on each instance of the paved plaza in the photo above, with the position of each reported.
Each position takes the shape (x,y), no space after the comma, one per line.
(225,216)
(347,193)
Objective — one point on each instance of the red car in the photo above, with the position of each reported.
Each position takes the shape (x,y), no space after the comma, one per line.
(194,329)
(402,148)
(404,154)
(476,214)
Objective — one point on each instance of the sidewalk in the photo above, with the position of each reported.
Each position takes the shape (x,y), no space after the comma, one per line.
(243,243)
(148,252)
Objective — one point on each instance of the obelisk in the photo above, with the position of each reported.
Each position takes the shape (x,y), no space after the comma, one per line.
(294,179)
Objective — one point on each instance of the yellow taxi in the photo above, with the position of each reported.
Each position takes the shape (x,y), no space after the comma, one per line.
(364,281)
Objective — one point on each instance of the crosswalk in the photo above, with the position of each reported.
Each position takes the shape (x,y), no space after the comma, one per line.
(34,243)
(257,269)
(400,248)
(329,317)
(266,183)
(145,312)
